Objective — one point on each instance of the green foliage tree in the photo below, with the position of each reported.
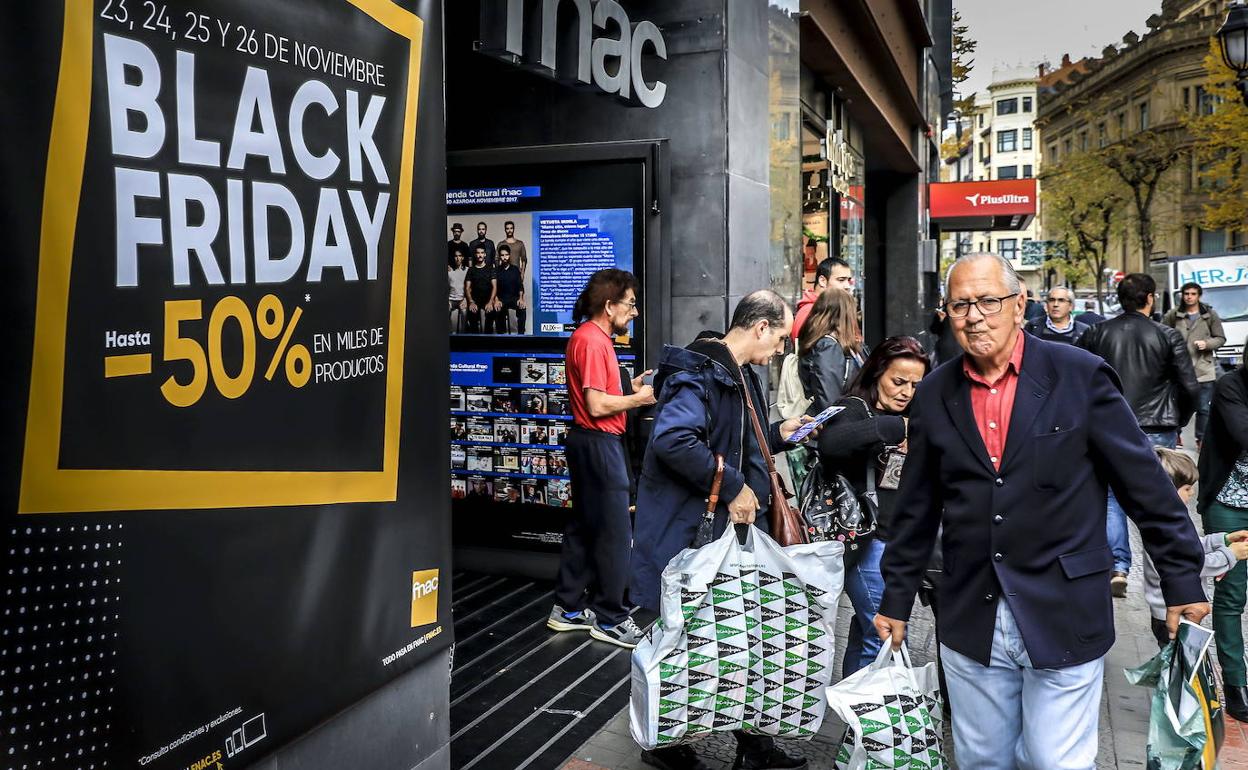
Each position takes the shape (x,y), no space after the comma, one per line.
(1085,205)
(1220,134)
(1142,162)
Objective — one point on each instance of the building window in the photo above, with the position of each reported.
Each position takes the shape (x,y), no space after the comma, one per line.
(1026,138)
(1027,171)
(1102,138)
(1066,148)
(1144,116)
(1205,101)
(1212,242)
(1007,172)
(1008,248)
(1083,141)
(1026,104)
(1122,125)
(1007,106)
(1007,141)
(1187,99)
(1053,153)
(983,152)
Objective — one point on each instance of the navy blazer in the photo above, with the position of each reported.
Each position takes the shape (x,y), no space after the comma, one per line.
(1034,531)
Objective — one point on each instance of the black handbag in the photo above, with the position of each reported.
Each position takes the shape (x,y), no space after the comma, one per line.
(832,510)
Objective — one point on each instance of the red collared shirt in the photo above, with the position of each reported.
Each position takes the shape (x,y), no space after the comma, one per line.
(993,402)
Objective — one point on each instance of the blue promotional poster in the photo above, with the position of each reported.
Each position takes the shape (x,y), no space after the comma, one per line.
(521,272)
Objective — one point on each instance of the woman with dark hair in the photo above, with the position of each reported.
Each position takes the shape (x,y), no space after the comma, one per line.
(1223,506)
(829,349)
(866,443)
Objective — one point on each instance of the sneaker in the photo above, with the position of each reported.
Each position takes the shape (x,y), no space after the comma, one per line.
(1118,585)
(559,620)
(626,634)
(674,758)
(774,759)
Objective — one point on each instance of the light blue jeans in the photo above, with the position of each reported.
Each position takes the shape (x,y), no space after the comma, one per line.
(1116,518)
(864,586)
(1009,714)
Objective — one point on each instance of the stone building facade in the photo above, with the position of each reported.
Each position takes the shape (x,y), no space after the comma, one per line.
(1146,82)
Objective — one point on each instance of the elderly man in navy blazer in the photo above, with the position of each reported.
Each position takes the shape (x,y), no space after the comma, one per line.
(1011,448)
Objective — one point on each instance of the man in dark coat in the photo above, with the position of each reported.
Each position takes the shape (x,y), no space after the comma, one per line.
(1011,449)
(1057,324)
(701,413)
(1159,383)
(1224,502)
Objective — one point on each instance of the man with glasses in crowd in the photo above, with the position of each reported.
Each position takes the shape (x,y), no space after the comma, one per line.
(1058,325)
(1158,382)
(1011,450)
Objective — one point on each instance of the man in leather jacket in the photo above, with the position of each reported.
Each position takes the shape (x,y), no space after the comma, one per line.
(1157,379)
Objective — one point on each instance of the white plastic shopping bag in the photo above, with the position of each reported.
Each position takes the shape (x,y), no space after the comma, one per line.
(893,711)
(744,641)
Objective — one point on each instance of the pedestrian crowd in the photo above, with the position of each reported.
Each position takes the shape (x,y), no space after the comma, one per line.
(995,468)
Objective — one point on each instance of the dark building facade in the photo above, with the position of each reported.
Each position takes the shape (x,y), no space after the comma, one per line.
(791,131)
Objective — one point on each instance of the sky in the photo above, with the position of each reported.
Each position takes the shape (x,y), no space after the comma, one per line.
(1013,33)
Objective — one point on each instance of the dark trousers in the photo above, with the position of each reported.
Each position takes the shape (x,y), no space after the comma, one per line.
(497,322)
(1229,595)
(597,542)
(1202,408)
(474,319)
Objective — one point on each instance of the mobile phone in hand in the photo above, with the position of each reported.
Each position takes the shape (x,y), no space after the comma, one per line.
(801,433)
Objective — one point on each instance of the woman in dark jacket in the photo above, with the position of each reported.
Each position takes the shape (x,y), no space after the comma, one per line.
(829,349)
(1223,505)
(869,437)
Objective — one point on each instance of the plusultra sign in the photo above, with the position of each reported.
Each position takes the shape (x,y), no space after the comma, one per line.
(577,42)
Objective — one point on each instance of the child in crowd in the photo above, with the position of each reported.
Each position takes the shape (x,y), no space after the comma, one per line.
(1222,550)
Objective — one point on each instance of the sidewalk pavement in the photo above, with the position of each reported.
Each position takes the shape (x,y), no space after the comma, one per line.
(1124,707)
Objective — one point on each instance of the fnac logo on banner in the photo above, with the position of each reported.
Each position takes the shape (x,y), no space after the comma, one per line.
(424,597)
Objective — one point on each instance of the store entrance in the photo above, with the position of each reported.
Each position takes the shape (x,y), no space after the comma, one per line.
(537,222)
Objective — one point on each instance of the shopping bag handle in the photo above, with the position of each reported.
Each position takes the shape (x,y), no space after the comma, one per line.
(743,533)
(888,658)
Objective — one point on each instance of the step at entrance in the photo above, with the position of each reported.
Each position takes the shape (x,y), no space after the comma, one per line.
(523,696)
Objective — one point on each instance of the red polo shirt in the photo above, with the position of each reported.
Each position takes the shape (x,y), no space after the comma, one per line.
(993,402)
(592,364)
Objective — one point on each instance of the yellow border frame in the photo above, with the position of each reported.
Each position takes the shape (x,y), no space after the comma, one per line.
(46,488)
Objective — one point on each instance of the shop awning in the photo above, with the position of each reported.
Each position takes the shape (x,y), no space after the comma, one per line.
(1005,204)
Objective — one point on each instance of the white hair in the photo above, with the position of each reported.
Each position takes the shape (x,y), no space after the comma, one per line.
(1013,283)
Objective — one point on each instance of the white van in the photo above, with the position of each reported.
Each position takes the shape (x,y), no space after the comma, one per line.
(1224,279)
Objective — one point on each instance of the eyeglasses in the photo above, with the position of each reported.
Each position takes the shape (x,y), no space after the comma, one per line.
(631,303)
(1054,300)
(986,305)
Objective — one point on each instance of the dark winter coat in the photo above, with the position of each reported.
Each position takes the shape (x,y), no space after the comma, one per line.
(1041,329)
(825,371)
(851,444)
(700,414)
(1226,437)
(1152,362)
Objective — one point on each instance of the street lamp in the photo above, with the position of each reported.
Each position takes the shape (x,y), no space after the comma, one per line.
(1234,38)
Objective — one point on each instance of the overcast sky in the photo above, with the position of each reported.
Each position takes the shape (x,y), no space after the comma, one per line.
(1014,33)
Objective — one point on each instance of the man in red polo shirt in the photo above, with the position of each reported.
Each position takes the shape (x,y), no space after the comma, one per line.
(593,567)
(1011,451)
